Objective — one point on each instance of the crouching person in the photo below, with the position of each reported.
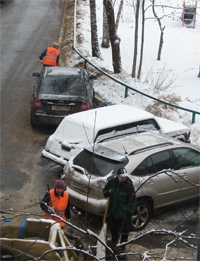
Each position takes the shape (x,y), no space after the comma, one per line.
(122,204)
(56,201)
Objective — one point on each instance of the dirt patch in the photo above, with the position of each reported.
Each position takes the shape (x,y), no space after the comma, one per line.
(67,37)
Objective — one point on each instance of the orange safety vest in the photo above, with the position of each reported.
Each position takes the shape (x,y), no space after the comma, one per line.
(59,204)
(51,56)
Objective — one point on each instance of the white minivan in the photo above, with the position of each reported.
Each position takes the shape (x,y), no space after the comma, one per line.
(83,128)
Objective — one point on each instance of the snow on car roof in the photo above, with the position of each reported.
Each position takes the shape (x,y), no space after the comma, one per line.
(126,144)
(108,116)
(171,126)
(63,70)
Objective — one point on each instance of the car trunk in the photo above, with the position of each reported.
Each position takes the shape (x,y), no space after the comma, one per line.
(60,104)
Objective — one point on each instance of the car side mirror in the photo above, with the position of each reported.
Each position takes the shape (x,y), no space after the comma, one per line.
(36,74)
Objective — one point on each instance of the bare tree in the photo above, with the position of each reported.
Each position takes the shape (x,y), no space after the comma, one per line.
(136,39)
(114,39)
(162,28)
(119,13)
(94,34)
(142,41)
(105,38)
(158,19)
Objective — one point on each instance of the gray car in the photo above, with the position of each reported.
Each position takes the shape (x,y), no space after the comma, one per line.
(58,92)
(164,171)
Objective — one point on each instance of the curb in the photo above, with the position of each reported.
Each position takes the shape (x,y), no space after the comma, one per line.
(60,38)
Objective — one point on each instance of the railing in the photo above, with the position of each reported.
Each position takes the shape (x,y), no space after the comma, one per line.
(122,83)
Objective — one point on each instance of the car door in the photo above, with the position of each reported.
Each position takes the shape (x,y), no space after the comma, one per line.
(188,167)
(37,84)
(159,179)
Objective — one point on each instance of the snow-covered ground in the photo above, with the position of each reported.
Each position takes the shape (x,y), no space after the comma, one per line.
(179,65)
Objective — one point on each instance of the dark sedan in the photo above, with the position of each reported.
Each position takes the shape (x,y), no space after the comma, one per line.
(58,92)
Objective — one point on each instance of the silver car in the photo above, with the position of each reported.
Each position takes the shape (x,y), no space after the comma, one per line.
(164,171)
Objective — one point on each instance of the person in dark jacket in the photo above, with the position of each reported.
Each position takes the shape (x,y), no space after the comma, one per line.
(56,201)
(122,204)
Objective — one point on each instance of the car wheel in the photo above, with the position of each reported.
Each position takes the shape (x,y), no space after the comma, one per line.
(33,125)
(141,216)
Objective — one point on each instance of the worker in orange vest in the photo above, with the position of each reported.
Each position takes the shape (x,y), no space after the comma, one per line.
(51,55)
(56,201)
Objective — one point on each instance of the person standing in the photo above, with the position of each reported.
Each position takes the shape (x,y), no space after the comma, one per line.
(56,201)
(122,204)
(51,55)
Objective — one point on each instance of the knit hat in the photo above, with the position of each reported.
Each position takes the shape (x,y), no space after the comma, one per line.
(56,45)
(60,184)
(122,172)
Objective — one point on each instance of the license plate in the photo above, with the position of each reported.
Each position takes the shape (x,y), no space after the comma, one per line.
(60,108)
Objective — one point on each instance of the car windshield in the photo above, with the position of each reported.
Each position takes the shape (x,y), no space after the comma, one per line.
(139,126)
(97,165)
(64,84)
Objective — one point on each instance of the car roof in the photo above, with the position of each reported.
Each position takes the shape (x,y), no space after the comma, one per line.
(122,149)
(108,116)
(58,70)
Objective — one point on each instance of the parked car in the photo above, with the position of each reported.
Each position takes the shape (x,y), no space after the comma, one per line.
(58,92)
(164,171)
(84,128)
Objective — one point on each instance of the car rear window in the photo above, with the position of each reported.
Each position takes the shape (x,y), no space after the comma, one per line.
(95,164)
(144,125)
(63,84)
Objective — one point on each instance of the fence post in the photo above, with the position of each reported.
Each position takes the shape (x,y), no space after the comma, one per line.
(126,92)
(193,117)
(85,64)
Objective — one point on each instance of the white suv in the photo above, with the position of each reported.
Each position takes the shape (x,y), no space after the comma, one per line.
(84,128)
(164,171)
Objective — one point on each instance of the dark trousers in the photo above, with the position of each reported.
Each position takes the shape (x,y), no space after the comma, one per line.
(117,230)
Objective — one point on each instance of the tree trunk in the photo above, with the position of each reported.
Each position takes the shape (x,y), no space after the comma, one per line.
(94,34)
(114,39)
(142,40)
(160,44)
(161,32)
(119,13)
(105,38)
(136,39)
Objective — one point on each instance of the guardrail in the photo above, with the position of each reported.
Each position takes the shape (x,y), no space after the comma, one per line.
(122,83)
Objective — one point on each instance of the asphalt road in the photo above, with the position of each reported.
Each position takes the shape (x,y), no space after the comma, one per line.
(27,28)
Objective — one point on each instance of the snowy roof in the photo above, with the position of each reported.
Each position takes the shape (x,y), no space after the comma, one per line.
(108,116)
(57,70)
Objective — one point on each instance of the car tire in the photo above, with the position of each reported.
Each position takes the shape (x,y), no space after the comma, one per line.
(33,125)
(141,216)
